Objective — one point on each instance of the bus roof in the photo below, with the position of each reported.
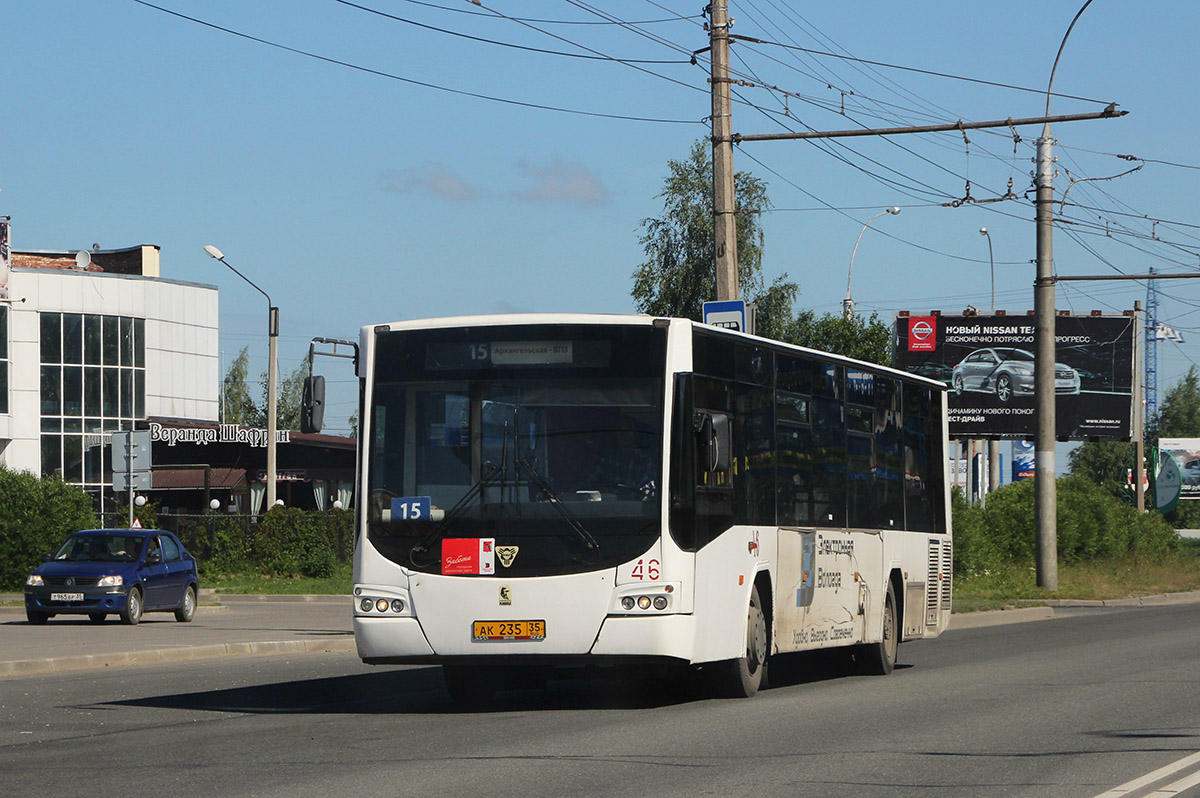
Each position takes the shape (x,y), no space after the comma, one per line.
(507,319)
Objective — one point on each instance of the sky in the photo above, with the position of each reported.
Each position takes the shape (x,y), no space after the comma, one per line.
(392,159)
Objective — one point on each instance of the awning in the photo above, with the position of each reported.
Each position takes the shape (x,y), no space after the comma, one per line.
(167,478)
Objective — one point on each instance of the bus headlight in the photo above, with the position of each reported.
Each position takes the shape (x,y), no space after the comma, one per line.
(366,604)
(660,602)
(397,605)
(644,602)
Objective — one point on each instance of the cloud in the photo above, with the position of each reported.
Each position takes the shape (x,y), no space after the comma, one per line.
(432,178)
(559,182)
(562,183)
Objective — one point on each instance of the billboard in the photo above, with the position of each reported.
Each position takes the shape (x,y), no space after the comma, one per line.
(988,364)
(1185,452)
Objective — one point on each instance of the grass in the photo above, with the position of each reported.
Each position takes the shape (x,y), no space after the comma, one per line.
(341,583)
(1097,580)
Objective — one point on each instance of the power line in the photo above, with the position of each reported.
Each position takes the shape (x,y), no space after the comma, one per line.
(411,81)
(482,40)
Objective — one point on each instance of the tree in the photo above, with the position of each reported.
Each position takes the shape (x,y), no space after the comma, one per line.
(1179,417)
(1179,412)
(1106,463)
(238,407)
(679,274)
(287,401)
(855,336)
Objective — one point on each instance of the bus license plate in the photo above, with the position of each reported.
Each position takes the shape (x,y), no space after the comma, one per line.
(66,597)
(509,630)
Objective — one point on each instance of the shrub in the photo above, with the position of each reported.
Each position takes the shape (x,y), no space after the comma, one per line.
(36,516)
(1091,524)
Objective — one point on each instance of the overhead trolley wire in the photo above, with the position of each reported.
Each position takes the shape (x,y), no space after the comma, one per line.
(412,81)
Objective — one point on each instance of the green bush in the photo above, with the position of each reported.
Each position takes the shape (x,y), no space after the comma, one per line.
(36,516)
(292,541)
(1091,525)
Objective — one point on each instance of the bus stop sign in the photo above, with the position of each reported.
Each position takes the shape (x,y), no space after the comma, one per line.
(729,313)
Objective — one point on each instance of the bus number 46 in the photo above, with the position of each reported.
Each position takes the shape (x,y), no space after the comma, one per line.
(646,569)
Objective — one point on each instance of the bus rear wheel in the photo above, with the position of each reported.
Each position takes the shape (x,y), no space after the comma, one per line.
(742,677)
(879,659)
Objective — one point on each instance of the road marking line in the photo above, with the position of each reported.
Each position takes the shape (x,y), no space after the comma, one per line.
(1177,787)
(1150,778)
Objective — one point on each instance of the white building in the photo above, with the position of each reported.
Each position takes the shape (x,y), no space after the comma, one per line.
(92,343)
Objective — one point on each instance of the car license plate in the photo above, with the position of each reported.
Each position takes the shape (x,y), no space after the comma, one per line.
(509,630)
(66,597)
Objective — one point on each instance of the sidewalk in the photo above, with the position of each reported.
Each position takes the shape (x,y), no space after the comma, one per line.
(237,625)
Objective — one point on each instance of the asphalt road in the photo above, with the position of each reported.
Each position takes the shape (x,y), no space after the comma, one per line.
(1074,706)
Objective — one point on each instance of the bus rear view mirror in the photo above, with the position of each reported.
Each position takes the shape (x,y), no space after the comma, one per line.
(713,444)
(312,404)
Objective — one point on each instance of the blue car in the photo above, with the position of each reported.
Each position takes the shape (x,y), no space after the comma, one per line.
(123,572)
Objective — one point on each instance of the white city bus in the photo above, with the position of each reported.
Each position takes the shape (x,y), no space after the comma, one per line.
(547,490)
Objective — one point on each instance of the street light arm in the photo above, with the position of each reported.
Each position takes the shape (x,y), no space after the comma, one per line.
(215,253)
(848,302)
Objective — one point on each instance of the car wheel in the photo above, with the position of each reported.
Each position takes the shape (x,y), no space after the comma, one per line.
(1004,387)
(36,618)
(96,617)
(187,610)
(133,608)
(958,384)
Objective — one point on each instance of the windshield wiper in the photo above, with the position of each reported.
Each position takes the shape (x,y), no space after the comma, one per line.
(559,505)
(492,473)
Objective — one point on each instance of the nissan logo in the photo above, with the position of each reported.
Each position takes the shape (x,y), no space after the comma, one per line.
(922,330)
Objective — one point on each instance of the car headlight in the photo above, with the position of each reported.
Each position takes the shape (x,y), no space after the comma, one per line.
(110,581)
(35,580)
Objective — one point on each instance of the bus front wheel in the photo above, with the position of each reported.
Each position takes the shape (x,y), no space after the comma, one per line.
(743,676)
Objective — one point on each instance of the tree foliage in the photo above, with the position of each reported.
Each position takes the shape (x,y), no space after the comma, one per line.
(239,406)
(679,273)
(241,409)
(38,515)
(856,336)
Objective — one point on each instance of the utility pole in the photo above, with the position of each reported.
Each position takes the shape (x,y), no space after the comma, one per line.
(1045,487)
(724,208)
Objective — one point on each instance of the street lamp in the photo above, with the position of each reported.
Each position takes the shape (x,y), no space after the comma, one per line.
(848,303)
(983,231)
(272,369)
(993,447)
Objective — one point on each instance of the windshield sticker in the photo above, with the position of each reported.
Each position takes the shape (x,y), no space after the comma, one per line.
(469,556)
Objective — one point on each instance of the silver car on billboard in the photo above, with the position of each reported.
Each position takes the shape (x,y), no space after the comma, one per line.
(1007,373)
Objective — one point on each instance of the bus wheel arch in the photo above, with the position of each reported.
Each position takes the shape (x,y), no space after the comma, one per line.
(742,677)
(879,658)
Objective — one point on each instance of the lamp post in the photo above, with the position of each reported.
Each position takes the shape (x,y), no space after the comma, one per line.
(983,231)
(848,303)
(993,444)
(272,369)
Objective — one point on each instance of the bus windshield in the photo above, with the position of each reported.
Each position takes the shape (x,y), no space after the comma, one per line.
(546,439)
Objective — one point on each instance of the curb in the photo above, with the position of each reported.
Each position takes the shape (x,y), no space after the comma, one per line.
(34,667)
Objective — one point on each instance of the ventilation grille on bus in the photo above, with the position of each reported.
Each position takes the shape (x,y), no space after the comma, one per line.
(941,569)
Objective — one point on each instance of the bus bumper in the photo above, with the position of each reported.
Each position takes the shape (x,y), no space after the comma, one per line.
(390,638)
(654,636)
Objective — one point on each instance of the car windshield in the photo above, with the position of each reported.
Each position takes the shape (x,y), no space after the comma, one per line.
(100,548)
(1015,354)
